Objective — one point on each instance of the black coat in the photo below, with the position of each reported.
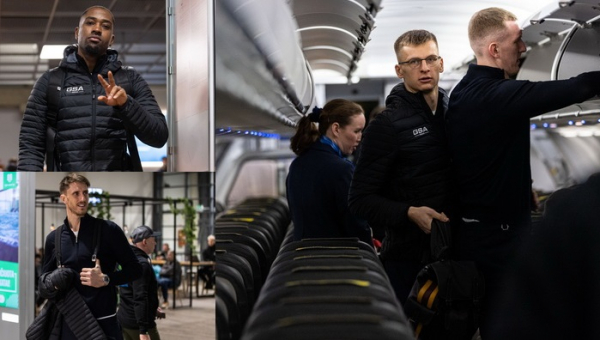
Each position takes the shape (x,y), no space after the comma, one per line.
(489,126)
(90,136)
(64,305)
(552,290)
(77,254)
(403,161)
(317,194)
(139,299)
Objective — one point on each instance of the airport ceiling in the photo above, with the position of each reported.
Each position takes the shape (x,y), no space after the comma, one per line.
(27,25)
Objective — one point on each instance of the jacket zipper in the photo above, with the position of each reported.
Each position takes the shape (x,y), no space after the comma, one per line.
(93,137)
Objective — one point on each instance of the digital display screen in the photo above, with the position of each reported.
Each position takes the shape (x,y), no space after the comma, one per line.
(9,240)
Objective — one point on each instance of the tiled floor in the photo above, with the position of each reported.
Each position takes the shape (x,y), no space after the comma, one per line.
(185,323)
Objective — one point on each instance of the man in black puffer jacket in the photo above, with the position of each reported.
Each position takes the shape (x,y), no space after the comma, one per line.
(401,182)
(93,113)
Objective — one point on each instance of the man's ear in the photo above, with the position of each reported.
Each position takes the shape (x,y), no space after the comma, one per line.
(441,65)
(112,40)
(63,198)
(493,49)
(399,71)
(76,33)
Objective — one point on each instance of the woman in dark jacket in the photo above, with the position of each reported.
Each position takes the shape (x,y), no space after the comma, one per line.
(319,178)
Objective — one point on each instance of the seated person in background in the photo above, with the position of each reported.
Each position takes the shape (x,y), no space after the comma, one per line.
(207,273)
(170,276)
(319,178)
(162,254)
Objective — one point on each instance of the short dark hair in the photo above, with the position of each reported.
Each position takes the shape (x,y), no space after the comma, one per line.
(72,178)
(413,38)
(101,7)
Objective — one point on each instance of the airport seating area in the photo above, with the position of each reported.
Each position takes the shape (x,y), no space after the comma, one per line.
(314,288)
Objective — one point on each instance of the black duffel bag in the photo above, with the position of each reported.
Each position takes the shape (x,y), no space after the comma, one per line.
(445,300)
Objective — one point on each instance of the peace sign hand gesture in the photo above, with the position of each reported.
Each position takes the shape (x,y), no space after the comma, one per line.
(115,95)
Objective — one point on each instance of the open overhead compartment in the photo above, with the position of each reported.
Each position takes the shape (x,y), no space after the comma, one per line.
(564,41)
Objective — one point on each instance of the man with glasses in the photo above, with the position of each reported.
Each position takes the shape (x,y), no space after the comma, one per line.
(401,182)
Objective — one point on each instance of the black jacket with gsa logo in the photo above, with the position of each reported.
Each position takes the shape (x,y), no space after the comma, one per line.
(403,161)
(90,136)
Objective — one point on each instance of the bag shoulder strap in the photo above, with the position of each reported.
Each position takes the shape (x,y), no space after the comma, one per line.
(125,76)
(57,253)
(96,239)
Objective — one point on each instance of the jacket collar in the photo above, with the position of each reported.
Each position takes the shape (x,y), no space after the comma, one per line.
(416,100)
(485,71)
(72,61)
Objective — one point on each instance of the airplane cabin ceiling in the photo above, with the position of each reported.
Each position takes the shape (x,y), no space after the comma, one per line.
(448,20)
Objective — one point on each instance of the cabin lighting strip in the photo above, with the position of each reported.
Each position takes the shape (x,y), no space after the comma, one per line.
(249,133)
(547,125)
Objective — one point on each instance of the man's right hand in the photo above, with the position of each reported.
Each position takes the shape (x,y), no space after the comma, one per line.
(144,336)
(422,217)
(160,314)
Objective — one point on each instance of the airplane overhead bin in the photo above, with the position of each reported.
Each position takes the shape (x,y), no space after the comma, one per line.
(564,43)
(262,78)
(267,52)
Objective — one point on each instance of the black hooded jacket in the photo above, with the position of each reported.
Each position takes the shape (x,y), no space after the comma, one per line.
(139,299)
(403,161)
(90,135)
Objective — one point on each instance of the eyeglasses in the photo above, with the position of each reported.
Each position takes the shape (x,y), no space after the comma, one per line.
(416,62)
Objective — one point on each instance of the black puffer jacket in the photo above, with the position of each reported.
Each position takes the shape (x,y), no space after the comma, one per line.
(403,161)
(64,305)
(90,136)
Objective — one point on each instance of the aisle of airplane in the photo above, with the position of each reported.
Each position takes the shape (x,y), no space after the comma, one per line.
(275,61)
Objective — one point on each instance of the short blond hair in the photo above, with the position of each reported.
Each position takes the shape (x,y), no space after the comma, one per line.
(413,38)
(488,22)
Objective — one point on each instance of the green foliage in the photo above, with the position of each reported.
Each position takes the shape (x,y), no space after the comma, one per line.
(102,209)
(189,215)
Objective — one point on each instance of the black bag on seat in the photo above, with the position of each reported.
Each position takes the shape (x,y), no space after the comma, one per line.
(445,300)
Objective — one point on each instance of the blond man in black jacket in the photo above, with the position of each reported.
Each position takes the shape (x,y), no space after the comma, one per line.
(402,180)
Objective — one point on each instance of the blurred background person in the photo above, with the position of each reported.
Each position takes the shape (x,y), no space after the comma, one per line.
(170,276)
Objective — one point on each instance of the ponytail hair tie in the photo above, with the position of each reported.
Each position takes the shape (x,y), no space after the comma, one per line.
(315,114)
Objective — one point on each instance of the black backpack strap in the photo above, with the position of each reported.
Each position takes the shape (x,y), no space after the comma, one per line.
(57,253)
(56,79)
(124,78)
(96,239)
